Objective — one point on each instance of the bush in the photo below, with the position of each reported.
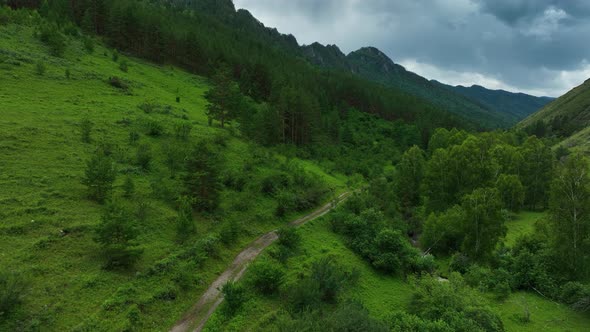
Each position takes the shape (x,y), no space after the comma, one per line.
(454,303)
(99,176)
(304,296)
(118,83)
(12,288)
(229,232)
(123,66)
(182,130)
(86,129)
(331,278)
(115,55)
(154,128)
(88,44)
(51,37)
(143,156)
(40,68)
(289,237)
(267,277)
(116,234)
(128,187)
(234,297)
(185,225)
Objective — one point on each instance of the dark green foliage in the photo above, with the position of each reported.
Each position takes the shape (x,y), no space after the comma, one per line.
(330,278)
(443,232)
(202,177)
(230,232)
(115,55)
(289,237)
(88,44)
(86,126)
(143,156)
(401,321)
(455,304)
(484,224)
(267,277)
(185,224)
(12,289)
(40,68)
(393,252)
(234,296)
(51,36)
(118,83)
(570,216)
(154,128)
(116,233)
(410,171)
(124,66)
(536,175)
(352,316)
(511,191)
(223,98)
(128,187)
(182,130)
(133,137)
(99,176)
(68,73)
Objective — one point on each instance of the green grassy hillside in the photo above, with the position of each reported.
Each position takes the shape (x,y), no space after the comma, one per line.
(46,220)
(568,118)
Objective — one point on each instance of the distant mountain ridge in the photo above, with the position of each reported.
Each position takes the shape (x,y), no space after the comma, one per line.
(491,108)
(516,105)
(371,64)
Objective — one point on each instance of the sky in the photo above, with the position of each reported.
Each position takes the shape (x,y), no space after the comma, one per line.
(540,47)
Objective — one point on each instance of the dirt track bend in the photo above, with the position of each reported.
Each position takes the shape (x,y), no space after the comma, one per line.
(197,316)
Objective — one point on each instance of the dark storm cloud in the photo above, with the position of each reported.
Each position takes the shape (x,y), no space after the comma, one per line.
(536,46)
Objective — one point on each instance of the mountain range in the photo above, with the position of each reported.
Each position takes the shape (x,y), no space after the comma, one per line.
(489,108)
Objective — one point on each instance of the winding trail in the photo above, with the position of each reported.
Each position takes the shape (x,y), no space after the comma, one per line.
(196,318)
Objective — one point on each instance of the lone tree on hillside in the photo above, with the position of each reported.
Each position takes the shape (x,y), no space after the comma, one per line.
(99,176)
(116,234)
(223,97)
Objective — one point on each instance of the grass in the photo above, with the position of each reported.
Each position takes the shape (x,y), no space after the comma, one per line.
(523,223)
(545,315)
(46,221)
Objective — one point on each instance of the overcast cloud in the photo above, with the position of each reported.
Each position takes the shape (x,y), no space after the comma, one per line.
(535,46)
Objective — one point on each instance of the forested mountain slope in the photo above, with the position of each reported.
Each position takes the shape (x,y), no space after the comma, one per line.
(516,106)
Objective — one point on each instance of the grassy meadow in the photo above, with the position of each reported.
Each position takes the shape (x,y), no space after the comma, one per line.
(46,220)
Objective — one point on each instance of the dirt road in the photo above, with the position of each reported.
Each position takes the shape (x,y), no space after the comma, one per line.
(197,316)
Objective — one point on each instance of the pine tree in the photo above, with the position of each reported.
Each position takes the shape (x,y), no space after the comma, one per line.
(202,177)
(223,97)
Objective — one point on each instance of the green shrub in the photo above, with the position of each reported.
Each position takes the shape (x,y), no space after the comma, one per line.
(115,56)
(289,237)
(128,187)
(185,224)
(118,83)
(123,66)
(234,296)
(229,232)
(40,68)
(182,130)
(154,128)
(88,44)
(51,37)
(86,126)
(143,156)
(99,176)
(116,233)
(267,277)
(12,288)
